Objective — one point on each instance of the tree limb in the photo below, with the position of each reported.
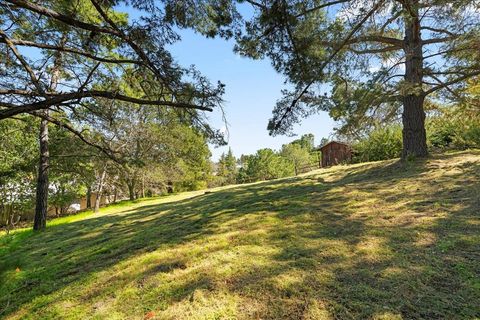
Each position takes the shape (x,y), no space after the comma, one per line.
(327,61)
(70,50)
(451,82)
(58,98)
(108,152)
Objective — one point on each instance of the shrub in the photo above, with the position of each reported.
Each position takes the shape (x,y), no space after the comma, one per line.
(381,144)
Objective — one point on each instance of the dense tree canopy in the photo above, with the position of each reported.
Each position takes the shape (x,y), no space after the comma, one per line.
(364,59)
(72,63)
(96,43)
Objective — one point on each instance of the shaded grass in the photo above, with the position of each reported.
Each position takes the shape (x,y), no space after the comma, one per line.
(384,240)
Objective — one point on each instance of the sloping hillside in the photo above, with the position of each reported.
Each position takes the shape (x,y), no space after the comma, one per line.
(381,240)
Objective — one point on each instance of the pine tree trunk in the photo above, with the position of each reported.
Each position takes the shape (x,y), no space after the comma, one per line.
(41,206)
(414,134)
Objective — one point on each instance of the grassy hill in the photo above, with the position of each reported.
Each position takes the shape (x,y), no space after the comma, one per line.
(381,240)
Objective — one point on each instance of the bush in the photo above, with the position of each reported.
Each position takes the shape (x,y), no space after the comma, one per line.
(381,144)
(453,128)
(450,128)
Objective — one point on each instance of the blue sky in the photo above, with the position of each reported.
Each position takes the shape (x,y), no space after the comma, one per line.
(252,88)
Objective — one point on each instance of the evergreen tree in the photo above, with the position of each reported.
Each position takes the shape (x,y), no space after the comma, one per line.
(365,59)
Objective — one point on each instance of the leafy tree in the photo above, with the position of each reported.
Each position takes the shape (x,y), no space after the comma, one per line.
(96,42)
(84,51)
(364,60)
(454,127)
(297,155)
(384,142)
(306,141)
(266,164)
(17,168)
(227,167)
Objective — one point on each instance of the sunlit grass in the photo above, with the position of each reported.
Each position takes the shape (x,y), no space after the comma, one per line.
(381,240)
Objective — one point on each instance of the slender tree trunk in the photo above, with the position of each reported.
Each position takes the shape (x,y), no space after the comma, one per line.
(414,134)
(41,205)
(89,197)
(98,197)
(115,194)
(131,190)
(169,187)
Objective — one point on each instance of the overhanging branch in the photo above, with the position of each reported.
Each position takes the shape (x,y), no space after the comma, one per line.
(59,98)
(326,62)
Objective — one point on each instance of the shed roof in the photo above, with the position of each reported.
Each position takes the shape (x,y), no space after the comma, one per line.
(333,141)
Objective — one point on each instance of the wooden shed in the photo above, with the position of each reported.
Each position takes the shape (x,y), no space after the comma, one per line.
(334,153)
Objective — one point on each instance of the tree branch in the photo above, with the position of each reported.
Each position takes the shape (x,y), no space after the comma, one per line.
(58,98)
(373,51)
(321,6)
(70,50)
(108,152)
(61,17)
(24,63)
(438,40)
(451,82)
(327,61)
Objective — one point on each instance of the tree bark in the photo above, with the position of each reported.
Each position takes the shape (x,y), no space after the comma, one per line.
(41,205)
(89,197)
(115,194)
(169,187)
(131,190)
(98,197)
(413,117)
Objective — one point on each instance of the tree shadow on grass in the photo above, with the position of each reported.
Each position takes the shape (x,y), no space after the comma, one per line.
(68,253)
(327,256)
(414,266)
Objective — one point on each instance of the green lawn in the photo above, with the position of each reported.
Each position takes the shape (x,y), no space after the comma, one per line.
(381,240)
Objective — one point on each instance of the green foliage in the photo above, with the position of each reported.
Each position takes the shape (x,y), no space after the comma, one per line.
(381,144)
(297,155)
(227,168)
(18,150)
(349,59)
(454,127)
(192,160)
(266,164)
(306,141)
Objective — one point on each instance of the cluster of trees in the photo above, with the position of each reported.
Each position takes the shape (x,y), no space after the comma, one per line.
(293,158)
(367,61)
(152,157)
(109,104)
